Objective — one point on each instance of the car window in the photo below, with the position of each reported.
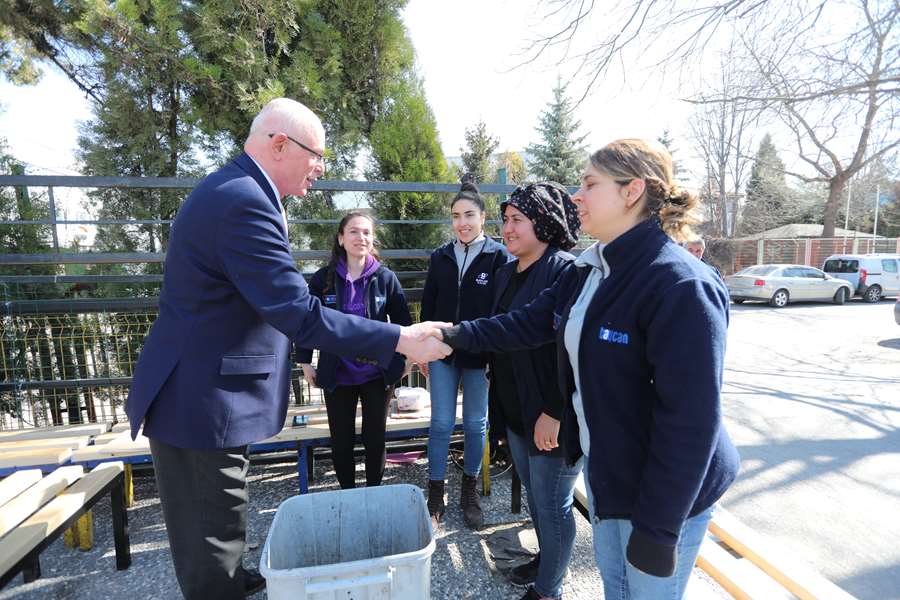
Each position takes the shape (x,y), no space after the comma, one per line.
(793,272)
(841,265)
(889,265)
(759,270)
(811,273)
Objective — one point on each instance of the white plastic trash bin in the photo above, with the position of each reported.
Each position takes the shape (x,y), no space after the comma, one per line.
(361,544)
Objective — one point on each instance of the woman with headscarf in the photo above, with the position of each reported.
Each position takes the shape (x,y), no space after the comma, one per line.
(540,224)
(640,328)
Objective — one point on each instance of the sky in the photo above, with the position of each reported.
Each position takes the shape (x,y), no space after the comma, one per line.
(466,52)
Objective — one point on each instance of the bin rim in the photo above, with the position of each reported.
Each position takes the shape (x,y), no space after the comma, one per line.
(342,568)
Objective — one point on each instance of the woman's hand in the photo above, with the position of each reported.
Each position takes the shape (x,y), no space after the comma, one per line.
(309,374)
(546,433)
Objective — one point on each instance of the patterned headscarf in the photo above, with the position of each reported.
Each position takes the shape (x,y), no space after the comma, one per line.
(550,208)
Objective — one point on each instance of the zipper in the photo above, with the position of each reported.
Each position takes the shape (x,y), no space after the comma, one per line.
(462,271)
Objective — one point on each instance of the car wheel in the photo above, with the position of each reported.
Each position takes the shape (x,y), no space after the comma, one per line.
(873,294)
(840,296)
(779,299)
(738,301)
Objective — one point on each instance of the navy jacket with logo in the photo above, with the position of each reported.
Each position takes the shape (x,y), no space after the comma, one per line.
(650,362)
(537,379)
(444,300)
(384,299)
(215,368)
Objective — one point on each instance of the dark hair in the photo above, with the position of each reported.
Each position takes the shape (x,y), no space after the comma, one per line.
(468,191)
(337,251)
(676,208)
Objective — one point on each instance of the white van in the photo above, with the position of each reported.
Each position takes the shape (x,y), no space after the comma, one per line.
(872,275)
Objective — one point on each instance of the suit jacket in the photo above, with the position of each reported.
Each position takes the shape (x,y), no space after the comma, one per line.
(214,371)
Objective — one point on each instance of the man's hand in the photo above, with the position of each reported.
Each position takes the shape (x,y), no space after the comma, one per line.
(309,374)
(420,343)
(546,433)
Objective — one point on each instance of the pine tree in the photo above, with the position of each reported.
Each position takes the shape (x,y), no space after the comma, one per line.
(476,156)
(561,154)
(405,147)
(766,205)
(668,143)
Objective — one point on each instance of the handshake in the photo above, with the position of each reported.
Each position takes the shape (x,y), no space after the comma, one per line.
(423,342)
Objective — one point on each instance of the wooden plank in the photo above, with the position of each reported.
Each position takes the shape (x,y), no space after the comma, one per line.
(54,432)
(31,500)
(121,447)
(800,579)
(31,458)
(73,442)
(17,483)
(21,540)
(738,577)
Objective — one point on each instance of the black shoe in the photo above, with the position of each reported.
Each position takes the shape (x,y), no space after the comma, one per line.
(525,574)
(530,594)
(436,506)
(470,503)
(253,582)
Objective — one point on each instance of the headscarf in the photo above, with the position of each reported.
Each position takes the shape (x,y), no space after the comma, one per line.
(551,210)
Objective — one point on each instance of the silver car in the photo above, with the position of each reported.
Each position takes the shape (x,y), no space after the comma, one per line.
(781,284)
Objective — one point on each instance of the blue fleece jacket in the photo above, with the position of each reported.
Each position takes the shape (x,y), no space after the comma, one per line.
(449,298)
(650,362)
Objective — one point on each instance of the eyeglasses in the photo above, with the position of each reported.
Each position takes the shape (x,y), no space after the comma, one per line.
(319,157)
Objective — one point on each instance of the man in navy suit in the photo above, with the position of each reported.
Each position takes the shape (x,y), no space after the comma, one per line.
(214,372)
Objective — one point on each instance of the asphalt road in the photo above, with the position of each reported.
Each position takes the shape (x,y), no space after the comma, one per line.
(812,400)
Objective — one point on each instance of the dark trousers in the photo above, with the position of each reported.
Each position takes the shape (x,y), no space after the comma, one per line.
(341,406)
(204,501)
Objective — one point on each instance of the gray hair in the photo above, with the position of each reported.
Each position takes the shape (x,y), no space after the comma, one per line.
(696,240)
(289,116)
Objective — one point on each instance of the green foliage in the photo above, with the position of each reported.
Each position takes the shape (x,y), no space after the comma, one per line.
(561,154)
(17,60)
(516,171)
(768,197)
(476,156)
(668,143)
(405,147)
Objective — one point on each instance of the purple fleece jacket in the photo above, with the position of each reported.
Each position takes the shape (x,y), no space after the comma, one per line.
(350,372)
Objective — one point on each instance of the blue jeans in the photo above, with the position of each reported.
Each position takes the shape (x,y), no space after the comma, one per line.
(549,484)
(444,380)
(622,581)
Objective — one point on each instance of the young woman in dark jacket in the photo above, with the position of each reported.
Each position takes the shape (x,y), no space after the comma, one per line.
(640,327)
(355,282)
(539,224)
(460,286)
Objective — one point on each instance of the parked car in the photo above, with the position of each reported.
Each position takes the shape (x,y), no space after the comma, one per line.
(871,275)
(897,310)
(781,284)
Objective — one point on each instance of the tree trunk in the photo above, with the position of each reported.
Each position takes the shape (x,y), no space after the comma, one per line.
(835,195)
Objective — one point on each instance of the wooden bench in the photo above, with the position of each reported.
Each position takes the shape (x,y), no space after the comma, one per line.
(36,510)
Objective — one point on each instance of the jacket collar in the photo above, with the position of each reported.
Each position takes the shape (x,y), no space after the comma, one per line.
(647,237)
(490,246)
(247,165)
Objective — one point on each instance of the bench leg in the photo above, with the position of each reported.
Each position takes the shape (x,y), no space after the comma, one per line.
(311,464)
(120,527)
(486,466)
(516,504)
(129,487)
(302,472)
(31,568)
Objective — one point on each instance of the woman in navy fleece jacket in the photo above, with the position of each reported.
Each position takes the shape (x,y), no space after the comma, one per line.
(640,327)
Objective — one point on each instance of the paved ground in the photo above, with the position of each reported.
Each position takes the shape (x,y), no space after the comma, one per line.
(812,399)
(459,568)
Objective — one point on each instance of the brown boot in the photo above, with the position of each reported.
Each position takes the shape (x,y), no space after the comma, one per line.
(470,503)
(436,506)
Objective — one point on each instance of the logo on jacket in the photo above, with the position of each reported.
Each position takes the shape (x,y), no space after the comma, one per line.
(330,299)
(612,336)
(482,279)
